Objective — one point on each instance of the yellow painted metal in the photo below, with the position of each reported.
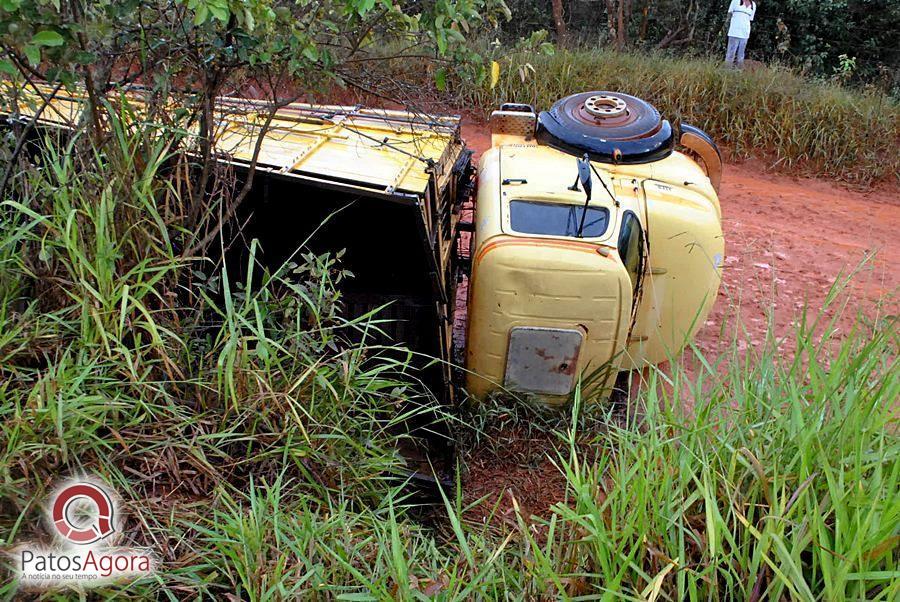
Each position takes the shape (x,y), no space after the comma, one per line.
(549,284)
(382,149)
(687,251)
(568,283)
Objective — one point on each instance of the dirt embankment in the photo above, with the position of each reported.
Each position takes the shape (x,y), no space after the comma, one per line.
(787,240)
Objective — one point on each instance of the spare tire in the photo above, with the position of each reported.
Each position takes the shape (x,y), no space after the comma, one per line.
(609,126)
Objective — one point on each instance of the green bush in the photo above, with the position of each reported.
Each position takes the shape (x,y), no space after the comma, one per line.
(779,484)
(182,389)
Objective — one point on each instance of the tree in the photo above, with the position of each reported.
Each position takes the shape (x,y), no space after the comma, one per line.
(559,21)
(810,34)
(187,53)
(618,15)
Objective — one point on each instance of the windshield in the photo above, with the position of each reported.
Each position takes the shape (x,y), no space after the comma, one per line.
(557,219)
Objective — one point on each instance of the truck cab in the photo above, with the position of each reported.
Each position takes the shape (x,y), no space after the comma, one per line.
(569,287)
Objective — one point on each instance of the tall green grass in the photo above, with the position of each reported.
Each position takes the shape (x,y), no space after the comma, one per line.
(177,385)
(802,125)
(780,484)
(253,433)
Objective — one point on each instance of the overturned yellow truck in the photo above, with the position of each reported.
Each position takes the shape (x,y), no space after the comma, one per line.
(598,245)
(587,242)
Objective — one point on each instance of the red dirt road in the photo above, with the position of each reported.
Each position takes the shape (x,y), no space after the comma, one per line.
(787,240)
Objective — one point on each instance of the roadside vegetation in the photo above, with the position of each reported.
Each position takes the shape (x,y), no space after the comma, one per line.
(255,443)
(795,123)
(854,41)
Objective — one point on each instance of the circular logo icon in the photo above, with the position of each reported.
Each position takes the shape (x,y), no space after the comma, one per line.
(83,496)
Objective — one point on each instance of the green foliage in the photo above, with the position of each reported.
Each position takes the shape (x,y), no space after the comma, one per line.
(779,484)
(190,53)
(119,356)
(823,31)
(253,433)
(807,126)
(808,34)
(224,39)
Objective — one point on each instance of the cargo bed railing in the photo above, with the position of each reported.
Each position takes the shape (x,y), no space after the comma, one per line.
(383,151)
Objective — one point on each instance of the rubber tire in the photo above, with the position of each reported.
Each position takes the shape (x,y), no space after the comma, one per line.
(643,137)
(643,118)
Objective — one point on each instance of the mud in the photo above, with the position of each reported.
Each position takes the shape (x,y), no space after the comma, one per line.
(516,470)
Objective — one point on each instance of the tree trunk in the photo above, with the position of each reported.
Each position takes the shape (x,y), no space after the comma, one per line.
(559,20)
(620,27)
(618,14)
(645,21)
(611,18)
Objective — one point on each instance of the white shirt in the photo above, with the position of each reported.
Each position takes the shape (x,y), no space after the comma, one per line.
(741,16)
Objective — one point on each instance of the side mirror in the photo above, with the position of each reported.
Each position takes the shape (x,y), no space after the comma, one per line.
(584,176)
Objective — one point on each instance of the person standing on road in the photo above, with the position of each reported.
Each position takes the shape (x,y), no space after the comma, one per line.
(742,13)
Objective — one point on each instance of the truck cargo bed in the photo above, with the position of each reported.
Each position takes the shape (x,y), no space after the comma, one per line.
(387,185)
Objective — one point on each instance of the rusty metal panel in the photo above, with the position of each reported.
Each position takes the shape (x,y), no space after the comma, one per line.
(513,123)
(542,360)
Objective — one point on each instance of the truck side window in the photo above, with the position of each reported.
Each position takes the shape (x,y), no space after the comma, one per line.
(631,247)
